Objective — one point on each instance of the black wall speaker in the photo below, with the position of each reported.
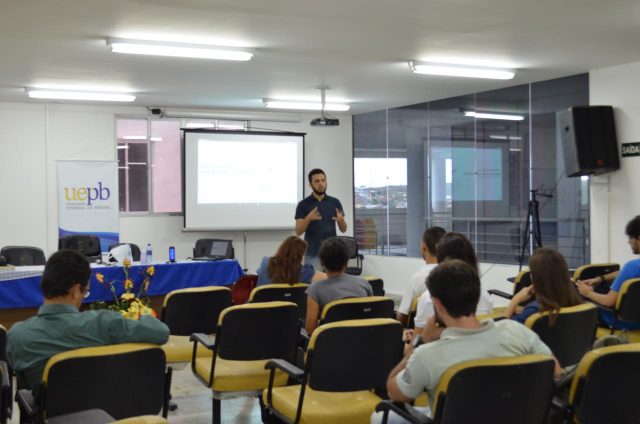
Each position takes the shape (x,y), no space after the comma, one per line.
(589,140)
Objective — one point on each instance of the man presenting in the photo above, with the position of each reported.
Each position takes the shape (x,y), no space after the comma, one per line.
(317,216)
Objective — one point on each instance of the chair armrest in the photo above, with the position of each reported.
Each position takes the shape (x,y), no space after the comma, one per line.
(285,366)
(5,393)
(4,371)
(204,339)
(303,339)
(604,308)
(27,404)
(562,405)
(407,412)
(500,293)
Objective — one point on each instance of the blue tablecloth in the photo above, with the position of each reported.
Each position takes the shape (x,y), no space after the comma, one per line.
(25,292)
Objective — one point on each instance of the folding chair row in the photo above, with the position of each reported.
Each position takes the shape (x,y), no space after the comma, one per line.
(507,390)
(92,378)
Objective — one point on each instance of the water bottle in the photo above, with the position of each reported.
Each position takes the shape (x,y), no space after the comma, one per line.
(149,254)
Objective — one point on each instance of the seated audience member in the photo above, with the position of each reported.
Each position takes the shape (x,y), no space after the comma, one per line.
(551,287)
(286,266)
(630,270)
(417,286)
(451,246)
(334,256)
(453,335)
(60,326)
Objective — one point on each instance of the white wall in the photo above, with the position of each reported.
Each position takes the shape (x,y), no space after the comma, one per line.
(33,136)
(615,198)
(395,272)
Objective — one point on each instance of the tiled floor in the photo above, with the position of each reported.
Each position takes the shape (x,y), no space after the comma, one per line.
(194,404)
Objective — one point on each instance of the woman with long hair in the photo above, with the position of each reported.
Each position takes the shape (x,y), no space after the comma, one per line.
(551,287)
(286,266)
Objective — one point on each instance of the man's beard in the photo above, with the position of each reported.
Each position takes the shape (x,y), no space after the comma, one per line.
(319,193)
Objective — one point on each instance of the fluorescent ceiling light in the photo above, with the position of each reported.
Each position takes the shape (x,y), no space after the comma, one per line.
(80,95)
(122,146)
(499,116)
(161,48)
(141,137)
(291,104)
(231,126)
(505,137)
(200,125)
(452,70)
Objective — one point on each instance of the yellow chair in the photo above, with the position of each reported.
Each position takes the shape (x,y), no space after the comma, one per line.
(572,333)
(296,293)
(188,311)
(588,271)
(604,388)
(357,308)
(413,309)
(123,380)
(495,390)
(627,306)
(98,416)
(246,337)
(345,362)
(522,280)
(376,283)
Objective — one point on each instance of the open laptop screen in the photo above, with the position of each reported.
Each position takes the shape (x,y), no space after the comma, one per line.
(219,248)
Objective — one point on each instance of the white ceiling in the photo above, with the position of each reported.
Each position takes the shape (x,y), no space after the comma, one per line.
(357,47)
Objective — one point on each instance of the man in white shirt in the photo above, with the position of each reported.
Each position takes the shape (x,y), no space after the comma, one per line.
(418,281)
(454,335)
(451,246)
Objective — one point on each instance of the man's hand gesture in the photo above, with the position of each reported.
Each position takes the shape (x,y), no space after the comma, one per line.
(314,215)
(339,219)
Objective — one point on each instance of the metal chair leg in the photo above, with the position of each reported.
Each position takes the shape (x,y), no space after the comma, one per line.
(215,411)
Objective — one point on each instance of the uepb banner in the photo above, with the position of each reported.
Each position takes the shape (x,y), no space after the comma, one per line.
(88,200)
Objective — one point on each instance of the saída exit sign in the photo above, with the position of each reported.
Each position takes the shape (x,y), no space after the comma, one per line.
(630,149)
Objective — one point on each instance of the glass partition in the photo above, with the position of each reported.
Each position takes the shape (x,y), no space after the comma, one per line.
(471,164)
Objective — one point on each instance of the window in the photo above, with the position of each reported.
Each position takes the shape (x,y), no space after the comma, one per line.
(471,175)
(150,161)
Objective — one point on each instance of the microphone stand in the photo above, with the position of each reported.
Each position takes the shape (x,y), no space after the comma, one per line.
(532,225)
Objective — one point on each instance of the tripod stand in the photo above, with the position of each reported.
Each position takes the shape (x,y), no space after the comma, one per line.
(532,225)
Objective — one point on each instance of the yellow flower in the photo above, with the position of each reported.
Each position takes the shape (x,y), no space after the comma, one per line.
(128,284)
(127,296)
(99,277)
(126,263)
(151,270)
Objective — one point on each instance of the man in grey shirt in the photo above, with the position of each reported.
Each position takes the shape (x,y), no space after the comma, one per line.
(454,335)
(334,256)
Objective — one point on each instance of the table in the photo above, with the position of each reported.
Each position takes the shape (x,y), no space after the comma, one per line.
(20,287)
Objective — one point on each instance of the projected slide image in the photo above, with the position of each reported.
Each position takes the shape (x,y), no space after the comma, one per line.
(266,172)
(477,166)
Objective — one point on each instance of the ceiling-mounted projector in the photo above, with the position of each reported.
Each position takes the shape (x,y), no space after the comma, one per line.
(325,122)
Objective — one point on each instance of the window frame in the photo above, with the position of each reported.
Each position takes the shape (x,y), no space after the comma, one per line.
(183,124)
